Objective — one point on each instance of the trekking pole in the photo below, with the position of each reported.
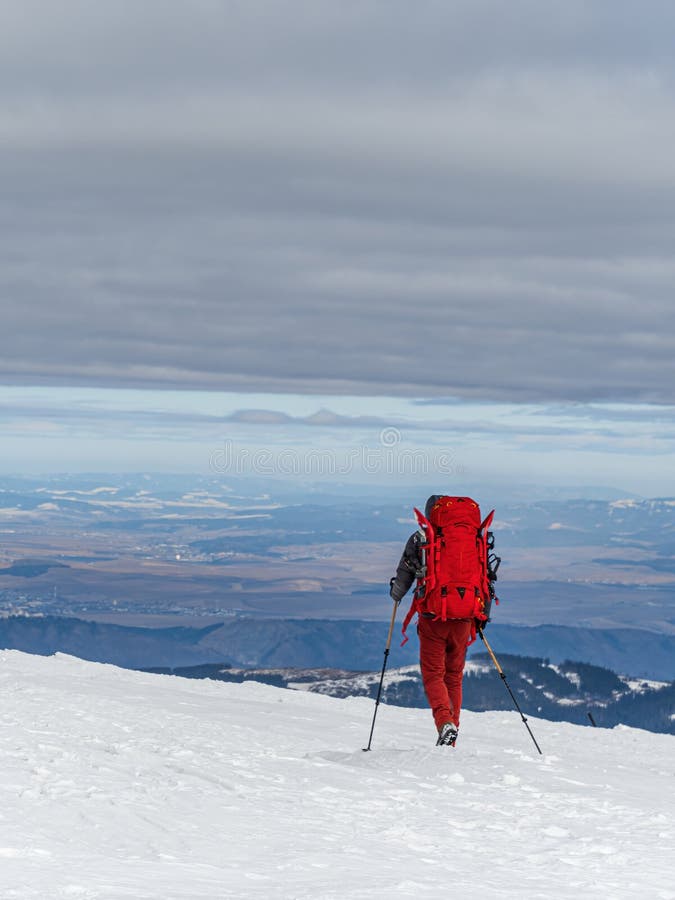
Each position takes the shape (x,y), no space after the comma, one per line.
(384,666)
(503,678)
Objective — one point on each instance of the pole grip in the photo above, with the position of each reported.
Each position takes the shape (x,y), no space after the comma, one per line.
(391,626)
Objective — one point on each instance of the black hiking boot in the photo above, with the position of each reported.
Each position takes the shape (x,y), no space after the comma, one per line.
(447,735)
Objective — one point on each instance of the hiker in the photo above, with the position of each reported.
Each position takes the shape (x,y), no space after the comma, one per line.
(450,558)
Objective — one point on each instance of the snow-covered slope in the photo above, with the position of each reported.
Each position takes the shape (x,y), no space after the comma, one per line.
(119,784)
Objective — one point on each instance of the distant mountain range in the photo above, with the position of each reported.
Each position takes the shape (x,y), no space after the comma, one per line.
(254,642)
(569,692)
(344,658)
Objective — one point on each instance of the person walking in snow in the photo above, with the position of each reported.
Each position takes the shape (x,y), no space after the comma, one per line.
(448,556)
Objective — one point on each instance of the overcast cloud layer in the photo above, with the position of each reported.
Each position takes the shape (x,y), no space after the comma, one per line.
(456,199)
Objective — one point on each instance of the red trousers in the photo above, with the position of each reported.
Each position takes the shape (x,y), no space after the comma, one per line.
(442,655)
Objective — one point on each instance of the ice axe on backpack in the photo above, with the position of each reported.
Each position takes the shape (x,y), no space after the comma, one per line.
(384,666)
(503,678)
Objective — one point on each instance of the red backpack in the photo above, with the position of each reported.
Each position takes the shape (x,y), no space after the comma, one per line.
(453,582)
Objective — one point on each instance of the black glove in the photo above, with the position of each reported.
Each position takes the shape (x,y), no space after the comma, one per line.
(482,624)
(394,593)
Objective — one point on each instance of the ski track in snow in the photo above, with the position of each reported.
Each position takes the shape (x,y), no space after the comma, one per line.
(118,784)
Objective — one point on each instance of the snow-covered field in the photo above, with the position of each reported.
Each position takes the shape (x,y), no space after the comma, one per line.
(116,784)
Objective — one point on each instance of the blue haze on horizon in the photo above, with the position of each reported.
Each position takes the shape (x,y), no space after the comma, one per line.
(380,440)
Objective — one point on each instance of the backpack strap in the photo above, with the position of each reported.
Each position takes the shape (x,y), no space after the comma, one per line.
(483,556)
(427,577)
(414,608)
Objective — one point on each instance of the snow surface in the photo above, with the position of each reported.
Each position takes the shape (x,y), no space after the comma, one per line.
(119,784)
(640,685)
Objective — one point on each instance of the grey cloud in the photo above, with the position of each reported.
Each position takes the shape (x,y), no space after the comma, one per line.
(340,198)
(164,45)
(644,414)
(443,429)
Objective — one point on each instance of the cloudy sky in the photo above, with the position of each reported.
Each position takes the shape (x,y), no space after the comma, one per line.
(294,204)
